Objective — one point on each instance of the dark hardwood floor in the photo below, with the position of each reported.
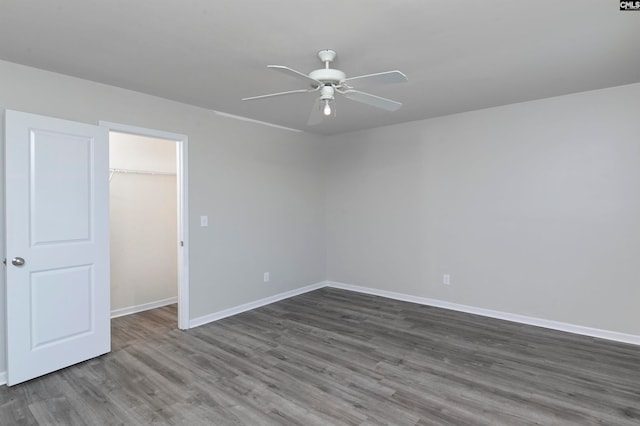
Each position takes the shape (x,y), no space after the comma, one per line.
(332,357)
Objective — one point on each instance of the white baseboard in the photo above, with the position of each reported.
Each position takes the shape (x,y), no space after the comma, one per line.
(522,319)
(253,305)
(554,325)
(144,307)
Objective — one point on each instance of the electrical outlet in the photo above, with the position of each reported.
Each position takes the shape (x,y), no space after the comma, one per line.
(446,279)
(204,221)
(266,277)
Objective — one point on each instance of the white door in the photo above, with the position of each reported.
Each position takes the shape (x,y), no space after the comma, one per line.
(57,228)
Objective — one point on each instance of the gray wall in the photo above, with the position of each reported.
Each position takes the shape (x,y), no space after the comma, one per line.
(261,187)
(533,208)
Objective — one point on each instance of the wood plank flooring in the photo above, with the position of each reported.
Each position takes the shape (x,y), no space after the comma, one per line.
(333,357)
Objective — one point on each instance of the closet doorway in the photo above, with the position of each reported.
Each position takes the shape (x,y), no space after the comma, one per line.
(147,184)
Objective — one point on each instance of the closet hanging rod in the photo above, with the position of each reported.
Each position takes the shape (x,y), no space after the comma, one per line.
(141,172)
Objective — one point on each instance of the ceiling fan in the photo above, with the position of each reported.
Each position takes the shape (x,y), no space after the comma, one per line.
(329,81)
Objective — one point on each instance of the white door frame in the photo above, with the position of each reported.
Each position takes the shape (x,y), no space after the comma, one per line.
(183,208)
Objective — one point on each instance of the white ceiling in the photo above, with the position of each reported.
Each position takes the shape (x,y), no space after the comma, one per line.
(458,55)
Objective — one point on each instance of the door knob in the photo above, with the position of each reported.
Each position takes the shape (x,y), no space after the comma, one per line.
(17,261)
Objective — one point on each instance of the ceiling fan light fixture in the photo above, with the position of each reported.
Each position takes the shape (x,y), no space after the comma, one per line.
(327,95)
(327,107)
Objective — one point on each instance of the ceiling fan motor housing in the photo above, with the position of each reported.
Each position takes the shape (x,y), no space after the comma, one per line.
(328,76)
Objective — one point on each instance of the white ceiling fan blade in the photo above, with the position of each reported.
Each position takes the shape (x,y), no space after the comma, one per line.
(271,95)
(373,100)
(296,74)
(378,78)
(315,117)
